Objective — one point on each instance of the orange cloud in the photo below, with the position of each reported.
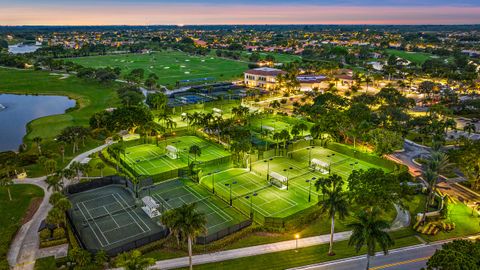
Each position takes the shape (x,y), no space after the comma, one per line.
(235,14)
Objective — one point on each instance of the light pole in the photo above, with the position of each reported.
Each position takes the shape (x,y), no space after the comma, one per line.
(268,167)
(288,172)
(251,203)
(310,155)
(297,236)
(213,180)
(330,162)
(230,186)
(353,165)
(309,181)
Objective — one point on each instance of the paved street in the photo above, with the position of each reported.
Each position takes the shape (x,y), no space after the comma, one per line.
(410,258)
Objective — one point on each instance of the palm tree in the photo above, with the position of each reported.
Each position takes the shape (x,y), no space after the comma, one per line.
(64,205)
(6,182)
(80,256)
(134,261)
(277,136)
(85,169)
(100,166)
(37,141)
(470,128)
(76,167)
(171,220)
(54,182)
(335,204)
(55,216)
(369,231)
(191,224)
(195,151)
(55,198)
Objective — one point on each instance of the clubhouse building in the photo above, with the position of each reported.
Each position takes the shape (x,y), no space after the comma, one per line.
(266,78)
(263,77)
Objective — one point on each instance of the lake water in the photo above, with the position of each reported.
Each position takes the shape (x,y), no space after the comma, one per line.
(20,110)
(19,48)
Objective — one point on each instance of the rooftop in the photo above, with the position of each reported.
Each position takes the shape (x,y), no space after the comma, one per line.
(265,71)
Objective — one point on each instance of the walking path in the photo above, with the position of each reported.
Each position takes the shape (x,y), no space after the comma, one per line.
(250,251)
(402,220)
(24,249)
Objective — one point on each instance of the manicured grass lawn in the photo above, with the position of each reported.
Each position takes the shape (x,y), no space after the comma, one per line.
(279,57)
(90,96)
(170,66)
(47,263)
(466,223)
(12,213)
(304,256)
(415,57)
(96,172)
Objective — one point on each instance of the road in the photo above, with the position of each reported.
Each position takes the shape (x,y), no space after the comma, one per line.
(24,249)
(409,258)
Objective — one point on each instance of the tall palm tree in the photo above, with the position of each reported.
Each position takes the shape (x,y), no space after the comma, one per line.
(100,166)
(54,182)
(369,230)
(195,151)
(336,203)
(37,140)
(134,261)
(192,224)
(277,136)
(6,182)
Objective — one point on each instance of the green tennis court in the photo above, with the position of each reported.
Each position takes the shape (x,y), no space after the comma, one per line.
(279,202)
(107,218)
(250,191)
(175,193)
(151,160)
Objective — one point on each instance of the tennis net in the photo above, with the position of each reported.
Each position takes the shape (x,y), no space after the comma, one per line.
(90,218)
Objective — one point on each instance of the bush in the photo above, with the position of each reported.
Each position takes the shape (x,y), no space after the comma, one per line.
(45,234)
(58,233)
(52,243)
(71,237)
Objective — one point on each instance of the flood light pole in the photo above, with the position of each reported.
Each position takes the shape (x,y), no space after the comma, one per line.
(251,203)
(230,186)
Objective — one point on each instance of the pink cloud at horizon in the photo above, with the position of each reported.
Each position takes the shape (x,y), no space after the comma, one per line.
(235,14)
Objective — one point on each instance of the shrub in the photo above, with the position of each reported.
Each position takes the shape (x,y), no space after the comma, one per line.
(58,233)
(45,234)
(53,243)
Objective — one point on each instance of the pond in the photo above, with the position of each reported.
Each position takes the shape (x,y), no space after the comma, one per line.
(16,111)
(21,48)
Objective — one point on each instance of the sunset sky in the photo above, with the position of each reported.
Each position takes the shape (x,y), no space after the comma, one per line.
(140,12)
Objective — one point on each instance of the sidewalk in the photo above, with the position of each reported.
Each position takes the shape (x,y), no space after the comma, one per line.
(24,248)
(402,220)
(250,251)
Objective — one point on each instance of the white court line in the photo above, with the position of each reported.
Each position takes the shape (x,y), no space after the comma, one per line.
(128,212)
(139,218)
(111,216)
(195,193)
(91,227)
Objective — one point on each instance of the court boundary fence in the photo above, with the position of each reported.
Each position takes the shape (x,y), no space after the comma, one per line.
(203,240)
(102,182)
